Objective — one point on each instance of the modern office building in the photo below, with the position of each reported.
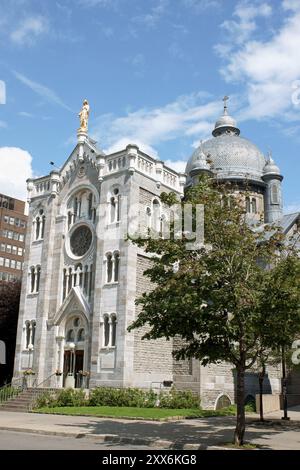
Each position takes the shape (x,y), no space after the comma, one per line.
(13,222)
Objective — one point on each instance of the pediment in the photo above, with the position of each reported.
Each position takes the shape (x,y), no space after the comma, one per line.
(74,302)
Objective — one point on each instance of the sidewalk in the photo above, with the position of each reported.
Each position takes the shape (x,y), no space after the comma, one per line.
(208,433)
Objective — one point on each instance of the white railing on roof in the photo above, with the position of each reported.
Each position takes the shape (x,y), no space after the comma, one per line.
(116,163)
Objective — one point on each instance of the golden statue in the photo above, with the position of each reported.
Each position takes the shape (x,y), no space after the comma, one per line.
(84,116)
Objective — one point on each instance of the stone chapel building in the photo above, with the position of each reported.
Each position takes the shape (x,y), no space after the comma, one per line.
(81,278)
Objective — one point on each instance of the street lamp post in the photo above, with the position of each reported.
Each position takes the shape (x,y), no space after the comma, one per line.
(284,385)
(70,379)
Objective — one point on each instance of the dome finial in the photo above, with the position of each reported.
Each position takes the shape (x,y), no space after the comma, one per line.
(225,99)
(225,124)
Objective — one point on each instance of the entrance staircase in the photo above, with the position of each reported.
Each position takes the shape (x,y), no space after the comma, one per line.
(21,402)
(17,396)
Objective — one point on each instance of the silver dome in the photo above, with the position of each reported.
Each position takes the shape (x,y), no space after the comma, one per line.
(232,157)
(271,168)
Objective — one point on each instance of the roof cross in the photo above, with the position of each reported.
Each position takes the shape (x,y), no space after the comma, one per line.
(225,99)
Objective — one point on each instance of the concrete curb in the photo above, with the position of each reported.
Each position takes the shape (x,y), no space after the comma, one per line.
(113,438)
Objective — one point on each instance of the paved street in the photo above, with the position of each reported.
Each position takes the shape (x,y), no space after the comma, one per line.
(26,441)
(90,431)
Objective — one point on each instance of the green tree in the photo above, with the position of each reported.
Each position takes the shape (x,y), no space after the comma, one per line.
(9,310)
(213,301)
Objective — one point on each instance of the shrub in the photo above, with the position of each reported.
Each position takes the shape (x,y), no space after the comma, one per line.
(45,399)
(71,397)
(178,399)
(135,397)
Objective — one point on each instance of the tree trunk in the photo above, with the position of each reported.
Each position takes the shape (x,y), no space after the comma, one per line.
(240,401)
(261,388)
(261,411)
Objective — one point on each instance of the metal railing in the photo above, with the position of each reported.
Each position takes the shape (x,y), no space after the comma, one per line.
(39,388)
(12,389)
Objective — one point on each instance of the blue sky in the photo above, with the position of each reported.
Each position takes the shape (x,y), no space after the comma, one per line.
(154,72)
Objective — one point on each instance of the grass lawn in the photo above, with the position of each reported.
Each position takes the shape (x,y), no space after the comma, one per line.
(134,413)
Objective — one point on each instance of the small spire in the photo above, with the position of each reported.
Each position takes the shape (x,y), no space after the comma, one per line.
(225,99)
(270,156)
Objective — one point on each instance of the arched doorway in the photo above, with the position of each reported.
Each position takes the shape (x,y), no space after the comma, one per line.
(222,402)
(75,361)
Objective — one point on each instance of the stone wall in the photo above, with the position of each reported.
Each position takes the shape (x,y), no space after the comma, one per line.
(151,356)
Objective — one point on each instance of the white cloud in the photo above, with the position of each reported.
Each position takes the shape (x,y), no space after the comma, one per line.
(186,117)
(268,68)
(201,5)
(177,165)
(12,182)
(241,28)
(29,29)
(25,114)
(2,92)
(41,90)
(151,19)
(122,143)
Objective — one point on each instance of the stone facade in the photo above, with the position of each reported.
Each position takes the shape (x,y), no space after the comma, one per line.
(82,277)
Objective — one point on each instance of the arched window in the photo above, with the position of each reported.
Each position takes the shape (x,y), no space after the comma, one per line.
(38,277)
(30,327)
(113,329)
(148,217)
(43,226)
(254,206)
(37,228)
(32,279)
(70,336)
(81,335)
(64,283)
(115,206)
(109,268)
(33,328)
(156,215)
(116,266)
(39,223)
(248,205)
(106,330)
(274,194)
(90,209)
(27,334)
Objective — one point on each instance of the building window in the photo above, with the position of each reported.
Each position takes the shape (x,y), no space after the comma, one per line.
(115,206)
(78,275)
(116,266)
(248,205)
(109,330)
(81,335)
(70,336)
(106,330)
(109,268)
(112,267)
(113,329)
(274,194)
(254,206)
(35,274)
(30,327)
(39,223)
(156,221)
